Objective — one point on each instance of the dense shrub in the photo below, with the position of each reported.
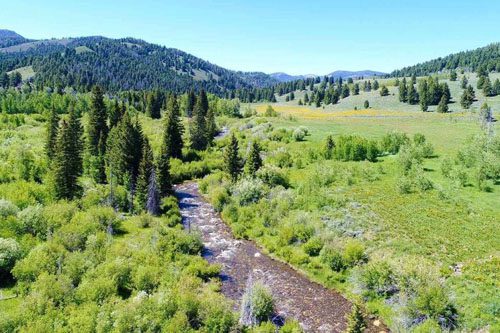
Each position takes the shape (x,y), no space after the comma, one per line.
(393,141)
(313,246)
(333,258)
(379,279)
(10,251)
(31,220)
(273,176)
(257,304)
(248,191)
(7,208)
(355,148)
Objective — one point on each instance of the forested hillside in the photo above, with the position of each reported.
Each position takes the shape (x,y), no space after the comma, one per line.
(122,64)
(488,57)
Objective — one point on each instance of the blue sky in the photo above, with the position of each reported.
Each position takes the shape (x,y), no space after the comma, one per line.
(297,37)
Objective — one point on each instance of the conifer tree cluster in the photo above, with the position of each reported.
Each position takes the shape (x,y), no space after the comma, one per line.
(202,127)
(97,134)
(430,92)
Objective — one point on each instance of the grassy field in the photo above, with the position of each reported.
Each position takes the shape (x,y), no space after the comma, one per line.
(27,72)
(454,230)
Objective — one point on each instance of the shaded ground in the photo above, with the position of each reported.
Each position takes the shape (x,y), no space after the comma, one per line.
(317,309)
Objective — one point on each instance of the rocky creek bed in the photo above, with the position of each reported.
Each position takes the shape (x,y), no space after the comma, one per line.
(317,308)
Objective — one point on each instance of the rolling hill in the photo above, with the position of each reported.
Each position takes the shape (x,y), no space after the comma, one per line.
(284,77)
(119,64)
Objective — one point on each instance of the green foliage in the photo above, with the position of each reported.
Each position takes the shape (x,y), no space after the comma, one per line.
(355,320)
(333,258)
(257,304)
(253,162)
(270,112)
(10,252)
(232,161)
(355,148)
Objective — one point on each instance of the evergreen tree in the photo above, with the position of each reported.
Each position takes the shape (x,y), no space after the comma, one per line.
(254,161)
(232,162)
(496,87)
(423,95)
(292,96)
(143,179)
(375,85)
(355,89)
(403,91)
(211,126)
(198,127)
(384,91)
(467,97)
(306,98)
(76,143)
(464,82)
(172,135)
(412,94)
(442,106)
(480,81)
(52,126)
(204,102)
(4,80)
(413,79)
(453,75)
(67,162)
(115,114)
(487,89)
(345,91)
(366,104)
(124,152)
(329,147)
(153,105)
(97,133)
(190,103)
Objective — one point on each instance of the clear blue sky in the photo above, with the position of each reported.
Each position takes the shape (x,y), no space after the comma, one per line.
(297,37)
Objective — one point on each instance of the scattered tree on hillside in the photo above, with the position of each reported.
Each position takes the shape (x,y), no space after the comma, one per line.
(464,82)
(453,75)
(442,106)
(384,91)
(403,91)
(468,97)
(366,104)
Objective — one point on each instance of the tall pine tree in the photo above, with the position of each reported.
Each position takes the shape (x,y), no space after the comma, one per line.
(198,127)
(172,135)
(143,179)
(97,134)
(254,161)
(52,126)
(232,162)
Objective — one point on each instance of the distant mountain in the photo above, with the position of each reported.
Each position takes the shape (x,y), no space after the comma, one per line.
(487,57)
(284,77)
(121,64)
(355,74)
(9,38)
